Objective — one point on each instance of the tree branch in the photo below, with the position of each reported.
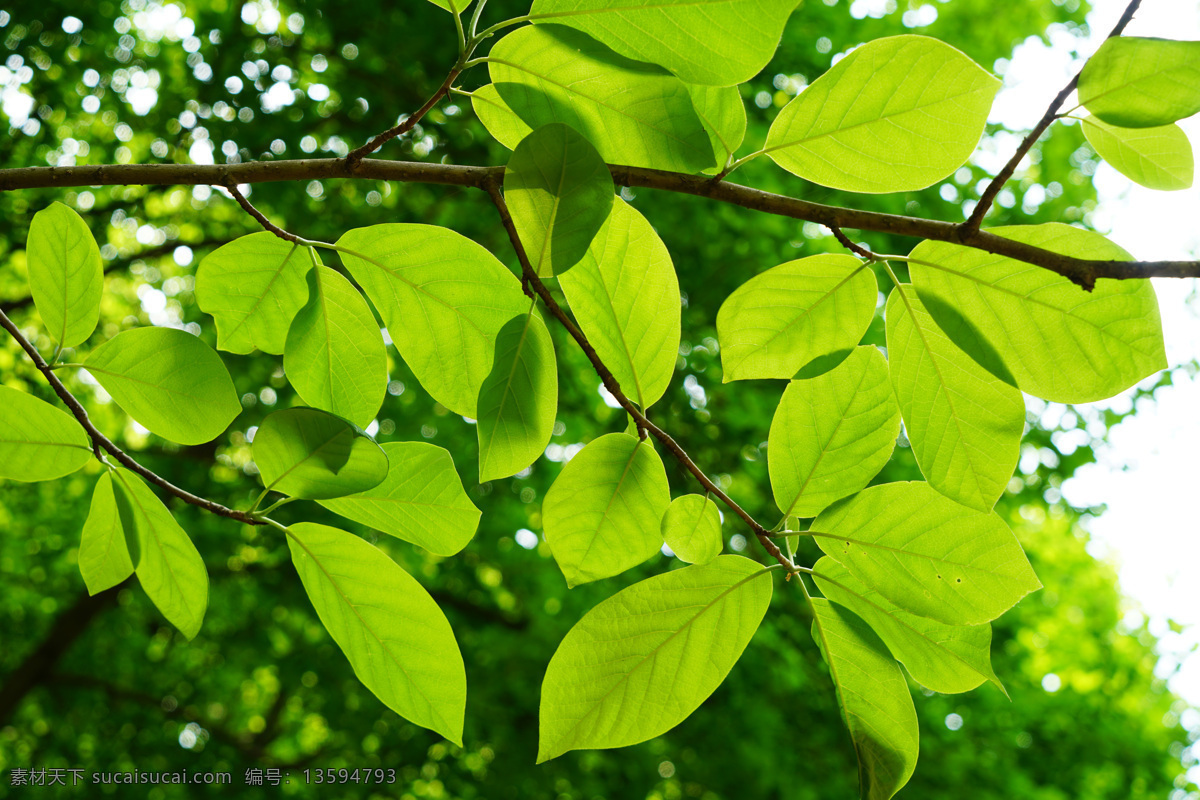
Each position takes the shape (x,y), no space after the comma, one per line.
(614,388)
(1084,272)
(993,188)
(359,153)
(249,208)
(102,442)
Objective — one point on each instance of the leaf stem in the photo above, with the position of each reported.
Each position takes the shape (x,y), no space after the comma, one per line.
(734,163)
(499,26)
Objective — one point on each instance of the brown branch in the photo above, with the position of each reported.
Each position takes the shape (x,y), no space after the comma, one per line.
(356,155)
(1084,272)
(644,425)
(249,208)
(102,442)
(841,236)
(989,194)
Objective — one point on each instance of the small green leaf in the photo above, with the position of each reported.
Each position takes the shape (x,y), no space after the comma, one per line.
(692,528)
(717,42)
(103,554)
(1157,158)
(519,399)
(391,630)
(724,116)
(1134,82)
(167,564)
(1034,328)
(780,320)
(965,426)
(421,501)
(65,275)
(942,658)
(634,113)
(443,299)
(602,515)
(313,455)
(335,357)
(38,442)
(500,120)
(874,699)
(453,6)
(253,287)
(644,659)
(926,553)
(559,191)
(832,434)
(626,298)
(896,114)
(169,381)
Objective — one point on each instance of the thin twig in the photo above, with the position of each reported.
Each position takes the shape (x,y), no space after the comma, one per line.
(643,424)
(249,208)
(989,194)
(408,123)
(858,250)
(102,442)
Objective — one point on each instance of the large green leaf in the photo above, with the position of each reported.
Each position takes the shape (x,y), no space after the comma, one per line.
(897,114)
(691,527)
(501,121)
(103,553)
(926,553)
(943,658)
(559,191)
(873,697)
(1036,329)
(519,399)
(717,42)
(1158,158)
(38,442)
(421,501)
(169,381)
(335,357)
(391,630)
(443,299)
(634,113)
(964,425)
(253,287)
(311,454)
(723,113)
(602,515)
(167,564)
(832,434)
(640,662)
(781,319)
(626,297)
(65,275)
(1142,83)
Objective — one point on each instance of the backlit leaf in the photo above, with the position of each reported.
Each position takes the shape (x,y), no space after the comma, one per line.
(500,120)
(103,554)
(38,442)
(1138,82)
(65,275)
(723,113)
(311,454)
(692,528)
(1158,158)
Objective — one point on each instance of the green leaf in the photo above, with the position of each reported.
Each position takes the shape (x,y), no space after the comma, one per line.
(313,455)
(781,319)
(942,658)
(1142,83)
(65,275)
(832,434)
(691,527)
(626,298)
(965,426)
(1036,329)
(167,564)
(421,501)
(644,659)
(103,554)
(519,399)
(559,191)
(453,6)
(634,113)
(443,299)
(602,515)
(1157,158)
(500,120)
(391,630)
(169,381)
(717,42)
(38,442)
(926,553)
(874,699)
(721,110)
(253,287)
(335,357)
(897,114)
